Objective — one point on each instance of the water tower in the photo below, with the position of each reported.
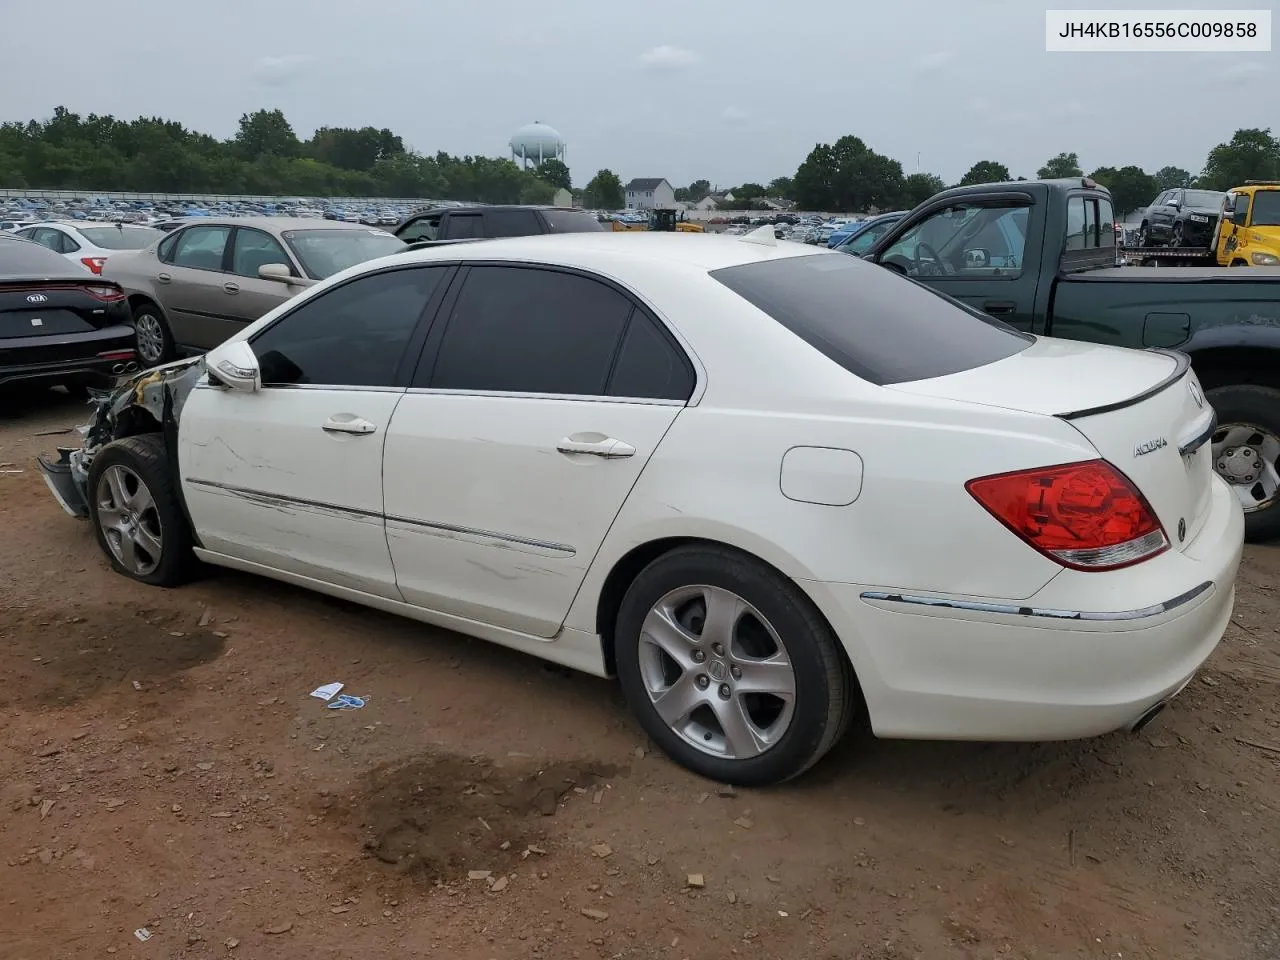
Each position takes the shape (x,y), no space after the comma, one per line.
(536,142)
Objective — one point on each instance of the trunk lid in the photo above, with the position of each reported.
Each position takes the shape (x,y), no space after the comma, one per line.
(33,308)
(1142,410)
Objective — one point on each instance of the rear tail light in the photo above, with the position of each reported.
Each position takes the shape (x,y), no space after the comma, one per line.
(94,264)
(1087,516)
(104,293)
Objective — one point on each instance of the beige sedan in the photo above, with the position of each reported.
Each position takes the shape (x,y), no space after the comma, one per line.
(210,278)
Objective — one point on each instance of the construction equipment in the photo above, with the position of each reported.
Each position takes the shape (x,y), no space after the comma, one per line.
(669,221)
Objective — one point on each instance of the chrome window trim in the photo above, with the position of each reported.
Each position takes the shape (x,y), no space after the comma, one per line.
(341,387)
(274,499)
(576,397)
(1018,610)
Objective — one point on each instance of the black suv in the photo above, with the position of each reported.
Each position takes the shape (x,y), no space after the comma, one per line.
(446,224)
(1181,218)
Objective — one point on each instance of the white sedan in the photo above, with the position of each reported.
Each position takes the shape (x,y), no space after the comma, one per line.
(88,244)
(772,490)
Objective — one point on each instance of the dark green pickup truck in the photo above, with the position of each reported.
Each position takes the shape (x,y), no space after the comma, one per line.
(1041,255)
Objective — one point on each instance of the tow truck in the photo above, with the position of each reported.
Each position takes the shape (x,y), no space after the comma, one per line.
(1247,234)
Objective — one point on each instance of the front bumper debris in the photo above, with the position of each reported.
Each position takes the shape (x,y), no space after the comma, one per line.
(68,481)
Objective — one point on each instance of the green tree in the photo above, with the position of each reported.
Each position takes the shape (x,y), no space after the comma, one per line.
(694,192)
(1131,187)
(1169,177)
(555,173)
(1063,165)
(848,176)
(745,196)
(919,187)
(1251,154)
(782,187)
(604,192)
(266,133)
(985,171)
(537,191)
(352,149)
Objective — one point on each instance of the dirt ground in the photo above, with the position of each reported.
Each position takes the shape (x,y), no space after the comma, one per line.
(162,767)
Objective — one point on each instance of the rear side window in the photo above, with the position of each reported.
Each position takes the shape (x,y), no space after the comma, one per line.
(876,324)
(511,223)
(462,226)
(520,330)
(572,221)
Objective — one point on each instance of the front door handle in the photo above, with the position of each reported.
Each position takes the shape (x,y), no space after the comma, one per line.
(608,448)
(231,287)
(998,307)
(163,278)
(346,423)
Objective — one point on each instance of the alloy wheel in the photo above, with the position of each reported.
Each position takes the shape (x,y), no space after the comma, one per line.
(129,520)
(150,337)
(717,672)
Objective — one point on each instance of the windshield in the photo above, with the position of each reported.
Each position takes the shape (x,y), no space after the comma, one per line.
(1204,198)
(323,253)
(877,325)
(121,238)
(1266,208)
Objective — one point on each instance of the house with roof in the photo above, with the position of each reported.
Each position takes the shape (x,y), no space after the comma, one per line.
(650,193)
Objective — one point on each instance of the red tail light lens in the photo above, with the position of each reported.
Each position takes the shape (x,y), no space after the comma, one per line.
(1087,516)
(104,293)
(95,264)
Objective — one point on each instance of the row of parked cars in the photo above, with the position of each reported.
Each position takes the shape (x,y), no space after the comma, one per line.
(774,490)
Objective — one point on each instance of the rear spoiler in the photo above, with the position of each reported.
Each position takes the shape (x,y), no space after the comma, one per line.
(1182,363)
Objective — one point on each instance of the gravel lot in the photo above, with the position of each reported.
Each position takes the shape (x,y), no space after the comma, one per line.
(163,767)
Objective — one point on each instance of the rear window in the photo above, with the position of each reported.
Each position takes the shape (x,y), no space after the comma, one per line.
(572,221)
(876,324)
(122,238)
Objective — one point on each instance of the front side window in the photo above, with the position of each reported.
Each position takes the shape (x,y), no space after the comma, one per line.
(201,248)
(873,323)
(1266,208)
(254,249)
(353,335)
(523,330)
(964,241)
(424,228)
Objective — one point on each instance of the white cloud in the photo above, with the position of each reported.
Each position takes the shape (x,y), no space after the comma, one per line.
(666,57)
(734,115)
(934,61)
(279,71)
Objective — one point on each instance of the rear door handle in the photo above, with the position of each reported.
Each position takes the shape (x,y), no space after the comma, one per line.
(997,307)
(231,287)
(608,448)
(346,423)
(163,278)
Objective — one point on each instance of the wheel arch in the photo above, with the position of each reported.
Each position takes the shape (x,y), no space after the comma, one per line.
(1226,365)
(626,568)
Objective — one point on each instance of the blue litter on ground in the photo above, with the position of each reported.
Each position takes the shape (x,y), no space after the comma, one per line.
(344,701)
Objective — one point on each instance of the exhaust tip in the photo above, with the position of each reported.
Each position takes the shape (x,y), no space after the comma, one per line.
(130,367)
(1147,717)
(117,368)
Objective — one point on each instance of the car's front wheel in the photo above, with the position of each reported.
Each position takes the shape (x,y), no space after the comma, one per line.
(730,668)
(154,341)
(136,514)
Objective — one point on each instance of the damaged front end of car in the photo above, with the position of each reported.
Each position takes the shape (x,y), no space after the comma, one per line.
(149,402)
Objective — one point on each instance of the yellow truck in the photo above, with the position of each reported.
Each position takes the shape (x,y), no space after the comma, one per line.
(1248,232)
(662,220)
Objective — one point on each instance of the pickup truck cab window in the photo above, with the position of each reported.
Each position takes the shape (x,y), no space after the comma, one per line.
(1090,224)
(964,240)
(426,227)
(463,226)
(511,223)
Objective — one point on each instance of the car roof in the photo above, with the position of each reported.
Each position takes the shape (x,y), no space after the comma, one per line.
(275,223)
(702,251)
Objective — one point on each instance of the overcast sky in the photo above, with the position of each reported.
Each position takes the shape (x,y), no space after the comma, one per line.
(729,90)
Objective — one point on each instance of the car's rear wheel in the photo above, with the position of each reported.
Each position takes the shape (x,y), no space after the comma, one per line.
(730,668)
(155,342)
(136,514)
(1246,453)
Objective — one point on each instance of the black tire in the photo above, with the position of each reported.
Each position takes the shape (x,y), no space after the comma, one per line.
(1144,235)
(825,694)
(145,457)
(1259,406)
(149,312)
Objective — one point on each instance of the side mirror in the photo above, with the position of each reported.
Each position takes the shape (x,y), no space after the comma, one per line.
(278,272)
(976,257)
(234,365)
